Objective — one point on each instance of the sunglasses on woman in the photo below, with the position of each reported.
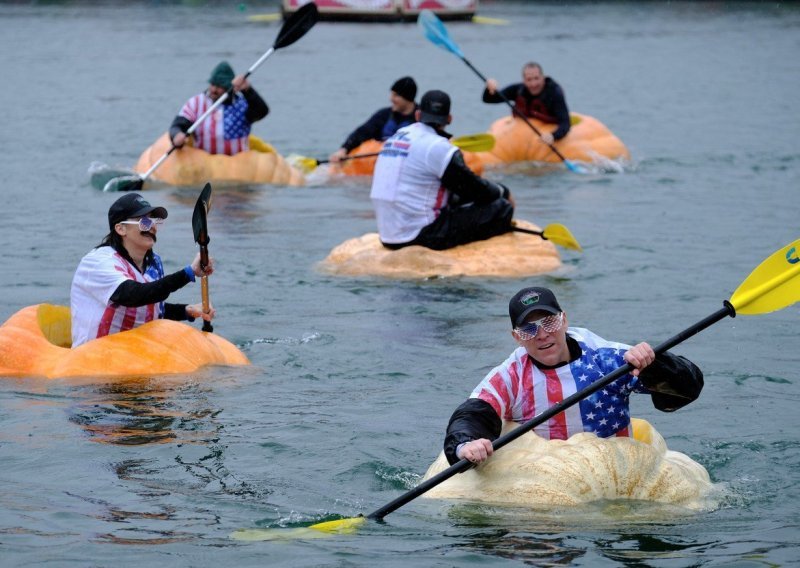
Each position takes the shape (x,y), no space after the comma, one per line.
(145,223)
(550,324)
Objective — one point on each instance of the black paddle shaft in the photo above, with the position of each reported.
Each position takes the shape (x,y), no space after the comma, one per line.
(463,465)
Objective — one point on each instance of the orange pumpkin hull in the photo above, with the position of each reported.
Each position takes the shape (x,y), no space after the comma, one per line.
(160,347)
(588,138)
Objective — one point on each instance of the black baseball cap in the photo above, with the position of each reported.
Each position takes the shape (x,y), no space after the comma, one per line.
(132,205)
(434,107)
(529,300)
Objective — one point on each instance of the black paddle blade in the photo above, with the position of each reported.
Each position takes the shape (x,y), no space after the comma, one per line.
(297,25)
(199,222)
(205,197)
(124,183)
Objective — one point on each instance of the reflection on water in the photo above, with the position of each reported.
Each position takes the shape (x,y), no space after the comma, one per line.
(621,531)
(142,412)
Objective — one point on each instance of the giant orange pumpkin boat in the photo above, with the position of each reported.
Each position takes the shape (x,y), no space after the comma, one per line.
(35,342)
(587,141)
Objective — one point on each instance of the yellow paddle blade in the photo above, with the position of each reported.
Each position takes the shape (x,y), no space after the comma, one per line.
(319,530)
(774,284)
(274,17)
(340,526)
(491,21)
(302,163)
(482,142)
(560,235)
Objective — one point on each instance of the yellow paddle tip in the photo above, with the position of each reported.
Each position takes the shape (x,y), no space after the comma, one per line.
(319,530)
(264,17)
(340,526)
(490,21)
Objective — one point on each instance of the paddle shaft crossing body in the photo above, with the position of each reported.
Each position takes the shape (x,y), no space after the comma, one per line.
(463,465)
(293,29)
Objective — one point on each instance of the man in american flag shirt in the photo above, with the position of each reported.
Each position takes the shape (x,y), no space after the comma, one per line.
(227,129)
(553,362)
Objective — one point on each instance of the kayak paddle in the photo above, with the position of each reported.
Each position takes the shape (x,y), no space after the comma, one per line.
(200,227)
(482,142)
(556,233)
(293,29)
(434,30)
(773,285)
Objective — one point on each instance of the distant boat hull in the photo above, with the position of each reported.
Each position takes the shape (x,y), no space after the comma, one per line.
(385,10)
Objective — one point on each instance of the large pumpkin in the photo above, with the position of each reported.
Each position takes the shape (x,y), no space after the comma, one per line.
(36,342)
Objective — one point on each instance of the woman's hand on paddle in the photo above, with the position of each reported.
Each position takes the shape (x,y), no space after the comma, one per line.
(198,271)
(196,311)
(547,138)
(491,86)
(640,356)
(476,451)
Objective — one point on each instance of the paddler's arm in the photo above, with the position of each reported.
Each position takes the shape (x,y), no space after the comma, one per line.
(474,420)
(257,107)
(370,130)
(561,113)
(134,294)
(180,125)
(673,381)
(470,188)
(492,96)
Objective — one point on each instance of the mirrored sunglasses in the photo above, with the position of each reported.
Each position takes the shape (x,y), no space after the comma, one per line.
(550,324)
(145,223)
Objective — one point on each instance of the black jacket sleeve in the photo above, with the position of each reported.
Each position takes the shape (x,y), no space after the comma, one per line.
(179,124)
(370,130)
(134,294)
(256,106)
(673,381)
(473,420)
(176,312)
(470,188)
(510,93)
(558,106)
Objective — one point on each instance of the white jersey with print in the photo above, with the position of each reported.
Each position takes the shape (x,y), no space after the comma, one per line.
(407,192)
(98,275)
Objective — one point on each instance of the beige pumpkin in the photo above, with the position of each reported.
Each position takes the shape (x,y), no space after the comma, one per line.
(190,166)
(511,255)
(534,472)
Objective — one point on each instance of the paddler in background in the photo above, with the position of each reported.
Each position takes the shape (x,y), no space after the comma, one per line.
(227,129)
(121,284)
(385,122)
(419,175)
(554,361)
(536,97)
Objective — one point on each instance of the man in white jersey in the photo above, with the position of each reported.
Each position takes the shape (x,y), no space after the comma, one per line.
(418,178)
(227,129)
(554,361)
(121,284)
